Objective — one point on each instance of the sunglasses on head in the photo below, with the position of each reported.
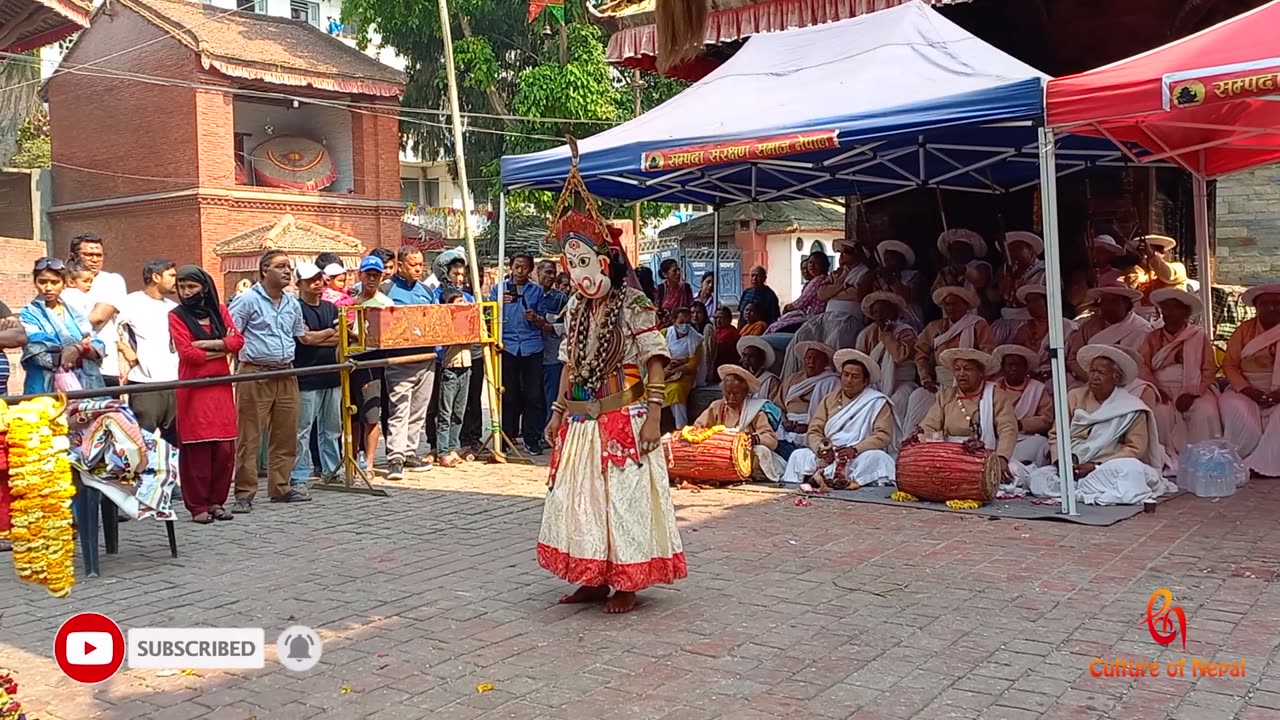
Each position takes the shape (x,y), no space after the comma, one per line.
(50,263)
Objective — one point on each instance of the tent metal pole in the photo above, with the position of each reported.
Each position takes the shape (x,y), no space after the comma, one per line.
(1200,191)
(715,259)
(1057,339)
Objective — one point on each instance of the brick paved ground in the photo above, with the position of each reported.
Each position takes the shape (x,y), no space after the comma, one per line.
(836,610)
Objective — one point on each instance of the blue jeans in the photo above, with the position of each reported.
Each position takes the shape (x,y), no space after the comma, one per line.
(454,389)
(551,383)
(321,409)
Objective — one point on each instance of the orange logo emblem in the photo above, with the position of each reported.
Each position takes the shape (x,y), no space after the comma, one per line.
(1160,622)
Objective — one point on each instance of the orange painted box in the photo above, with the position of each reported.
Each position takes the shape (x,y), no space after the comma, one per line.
(407,326)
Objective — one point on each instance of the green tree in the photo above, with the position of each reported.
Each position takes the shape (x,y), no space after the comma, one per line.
(34,150)
(509,69)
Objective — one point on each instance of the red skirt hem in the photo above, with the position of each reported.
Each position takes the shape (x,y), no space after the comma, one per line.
(627,577)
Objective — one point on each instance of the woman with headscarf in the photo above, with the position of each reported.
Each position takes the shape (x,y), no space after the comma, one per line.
(59,337)
(204,338)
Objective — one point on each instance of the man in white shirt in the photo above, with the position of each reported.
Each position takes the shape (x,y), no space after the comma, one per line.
(145,346)
(105,297)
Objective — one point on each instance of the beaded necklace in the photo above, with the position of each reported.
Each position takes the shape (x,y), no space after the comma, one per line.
(595,343)
(974,423)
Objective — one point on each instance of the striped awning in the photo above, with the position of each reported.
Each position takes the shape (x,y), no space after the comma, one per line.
(636,47)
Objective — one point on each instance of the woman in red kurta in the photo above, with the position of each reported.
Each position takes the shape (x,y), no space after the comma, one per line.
(204,337)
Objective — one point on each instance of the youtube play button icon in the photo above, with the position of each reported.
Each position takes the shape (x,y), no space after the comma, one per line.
(89,648)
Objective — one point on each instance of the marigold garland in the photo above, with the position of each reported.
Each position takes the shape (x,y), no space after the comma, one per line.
(699,435)
(899,496)
(41,486)
(964,504)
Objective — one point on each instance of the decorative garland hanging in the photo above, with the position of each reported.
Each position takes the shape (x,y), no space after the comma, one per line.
(42,488)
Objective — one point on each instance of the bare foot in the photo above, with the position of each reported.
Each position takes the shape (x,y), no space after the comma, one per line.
(586,594)
(621,602)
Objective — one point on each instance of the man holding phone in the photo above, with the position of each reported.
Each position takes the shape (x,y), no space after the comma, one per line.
(522,346)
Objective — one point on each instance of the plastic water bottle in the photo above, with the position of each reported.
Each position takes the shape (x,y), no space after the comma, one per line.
(1211,469)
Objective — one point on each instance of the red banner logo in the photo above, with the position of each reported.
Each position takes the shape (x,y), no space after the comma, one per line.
(738,151)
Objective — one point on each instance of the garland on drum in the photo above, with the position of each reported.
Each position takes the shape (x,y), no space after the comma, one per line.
(699,435)
(41,485)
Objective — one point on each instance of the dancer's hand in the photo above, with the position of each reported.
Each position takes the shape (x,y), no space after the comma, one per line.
(650,433)
(553,428)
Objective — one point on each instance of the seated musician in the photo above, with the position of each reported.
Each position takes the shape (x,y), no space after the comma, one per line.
(739,409)
(1112,323)
(1023,268)
(964,250)
(801,394)
(960,327)
(758,357)
(1032,403)
(1115,447)
(891,345)
(1164,273)
(896,274)
(973,410)
(842,318)
(1103,252)
(851,433)
(1034,333)
(1180,361)
(1249,418)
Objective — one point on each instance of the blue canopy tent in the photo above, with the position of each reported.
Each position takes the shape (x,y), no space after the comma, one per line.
(872,106)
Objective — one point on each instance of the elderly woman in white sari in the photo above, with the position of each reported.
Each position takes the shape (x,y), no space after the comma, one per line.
(1114,441)
(685,345)
(802,392)
(1023,268)
(891,345)
(739,409)
(851,434)
(838,325)
(1249,418)
(1180,361)
(59,337)
(758,357)
(1113,323)
(1032,403)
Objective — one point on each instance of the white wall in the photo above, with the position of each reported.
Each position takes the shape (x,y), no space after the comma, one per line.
(331,126)
(784,260)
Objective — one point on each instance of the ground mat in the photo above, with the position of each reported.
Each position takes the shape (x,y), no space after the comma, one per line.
(1016,509)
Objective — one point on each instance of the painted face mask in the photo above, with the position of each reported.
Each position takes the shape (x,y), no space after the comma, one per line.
(587,266)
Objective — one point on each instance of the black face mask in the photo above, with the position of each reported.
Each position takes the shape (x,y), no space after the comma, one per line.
(192,301)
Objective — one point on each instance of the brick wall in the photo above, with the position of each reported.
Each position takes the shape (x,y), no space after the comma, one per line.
(132,234)
(1248,227)
(131,137)
(16,290)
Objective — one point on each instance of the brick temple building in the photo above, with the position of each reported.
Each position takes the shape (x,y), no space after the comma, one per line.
(195,125)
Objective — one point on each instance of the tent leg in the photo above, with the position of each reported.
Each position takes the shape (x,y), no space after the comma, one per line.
(1057,339)
(715,258)
(1200,191)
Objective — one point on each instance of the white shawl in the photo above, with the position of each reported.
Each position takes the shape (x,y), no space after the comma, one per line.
(986,418)
(818,387)
(1129,332)
(1191,339)
(853,422)
(881,355)
(1032,391)
(683,348)
(750,409)
(768,381)
(1093,433)
(962,327)
(1262,342)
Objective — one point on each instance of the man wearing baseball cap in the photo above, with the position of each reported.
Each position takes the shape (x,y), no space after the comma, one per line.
(320,396)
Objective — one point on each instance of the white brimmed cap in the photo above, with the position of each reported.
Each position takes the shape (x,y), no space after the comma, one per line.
(897,246)
(1164,242)
(1123,291)
(1022,236)
(803,348)
(334,270)
(1191,300)
(1107,242)
(306,270)
(753,382)
(1252,294)
(950,357)
(863,359)
(755,341)
(1026,290)
(968,237)
(882,295)
(997,357)
(1128,366)
(968,295)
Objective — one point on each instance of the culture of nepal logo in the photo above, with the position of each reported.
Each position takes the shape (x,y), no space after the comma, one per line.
(1166,624)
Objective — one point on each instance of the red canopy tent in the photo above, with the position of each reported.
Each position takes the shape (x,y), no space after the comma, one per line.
(1209,102)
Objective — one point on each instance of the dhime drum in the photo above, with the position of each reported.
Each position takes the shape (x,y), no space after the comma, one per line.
(708,456)
(942,471)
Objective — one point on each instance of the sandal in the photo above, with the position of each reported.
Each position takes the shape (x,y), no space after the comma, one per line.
(203,518)
(450,460)
(220,513)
